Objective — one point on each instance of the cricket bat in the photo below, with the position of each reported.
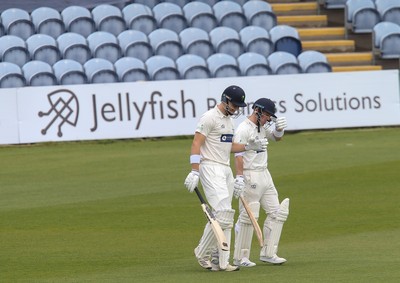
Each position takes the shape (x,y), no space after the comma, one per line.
(219,234)
(253,220)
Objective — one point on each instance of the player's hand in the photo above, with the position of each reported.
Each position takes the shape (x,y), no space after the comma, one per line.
(238,186)
(257,144)
(192,180)
(280,124)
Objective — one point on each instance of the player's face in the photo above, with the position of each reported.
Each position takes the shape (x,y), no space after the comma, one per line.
(265,118)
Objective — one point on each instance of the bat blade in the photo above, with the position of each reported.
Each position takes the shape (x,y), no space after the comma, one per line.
(219,234)
(253,220)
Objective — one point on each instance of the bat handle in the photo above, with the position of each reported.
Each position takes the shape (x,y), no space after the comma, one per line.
(199,195)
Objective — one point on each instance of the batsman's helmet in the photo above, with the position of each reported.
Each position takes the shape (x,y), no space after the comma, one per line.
(235,95)
(266,105)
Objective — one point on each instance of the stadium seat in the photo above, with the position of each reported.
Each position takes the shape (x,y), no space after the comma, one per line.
(335,4)
(192,66)
(196,41)
(69,72)
(226,40)
(99,70)
(166,42)
(200,15)
(162,68)
(79,20)
(253,64)
(74,46)
(312,61)
(131,69)
(38,73)
(136,44)
(108,18)
(139,17)
(43,47)
(17,22)
(386,40)
(13,50)
(11,75)
(260,13)
(180,3)
(222,65)
(104,45)
(48,21)
(256,39)
(361,16)
(170,16)
(389,10)
(283,63)
(286,38)
(230,14)
(148,3)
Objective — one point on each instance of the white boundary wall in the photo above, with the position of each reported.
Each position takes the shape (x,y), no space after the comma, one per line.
(172,108)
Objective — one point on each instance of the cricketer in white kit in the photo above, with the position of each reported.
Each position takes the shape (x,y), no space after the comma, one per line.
(210,162)
(254,181)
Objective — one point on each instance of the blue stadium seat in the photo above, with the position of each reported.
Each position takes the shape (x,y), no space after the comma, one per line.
(74,46)
(69,72)
(79,20)
(200,15)
(101,71)
(43,47)
(253,64)
(13,50)
(139,17)
(166,42)
(170,16)
(162,68)
(222,65)
(48,21)
(259,13)
(230,14)
(386,40)
(149,3)
(108,18)
(38,73)
(389,10)
(361,16)
(226,40)
(312,61)
(196,41)
(286,38)
(131,69)
(104,45)
(256,39)
(11,75)
(17,22)
(192,66)
(284,63)
(136,44)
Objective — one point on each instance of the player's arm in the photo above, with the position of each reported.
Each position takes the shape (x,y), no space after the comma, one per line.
(198,141)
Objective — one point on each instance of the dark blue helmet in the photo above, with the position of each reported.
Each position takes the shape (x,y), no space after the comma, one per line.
(235,95)
(266,105)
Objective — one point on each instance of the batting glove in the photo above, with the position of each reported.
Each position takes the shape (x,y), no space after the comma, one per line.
(192,180)
(280,124)
(238,186)
(257,144)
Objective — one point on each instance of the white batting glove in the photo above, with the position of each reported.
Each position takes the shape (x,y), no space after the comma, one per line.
(257,144)
(280,124)
(238,186)
(192,180)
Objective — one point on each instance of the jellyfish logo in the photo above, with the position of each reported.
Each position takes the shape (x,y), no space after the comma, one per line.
(64,108)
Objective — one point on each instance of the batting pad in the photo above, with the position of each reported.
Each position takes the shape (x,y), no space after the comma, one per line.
(207,242)
(225,219)
(243,239)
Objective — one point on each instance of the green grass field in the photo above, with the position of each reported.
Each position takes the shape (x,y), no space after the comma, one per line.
(117,211)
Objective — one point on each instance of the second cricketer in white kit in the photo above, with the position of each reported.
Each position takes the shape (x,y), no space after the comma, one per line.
(254,181)
(210,161)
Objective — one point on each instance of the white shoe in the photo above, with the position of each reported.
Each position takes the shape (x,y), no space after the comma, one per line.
(215,267)
(245,262)
(204,262)
(274,259)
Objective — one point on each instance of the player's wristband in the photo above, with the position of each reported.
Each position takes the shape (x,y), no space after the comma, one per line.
(195,158)
(279,134)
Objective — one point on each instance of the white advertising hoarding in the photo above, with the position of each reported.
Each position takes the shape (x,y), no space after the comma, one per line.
(8,117)
(170,108)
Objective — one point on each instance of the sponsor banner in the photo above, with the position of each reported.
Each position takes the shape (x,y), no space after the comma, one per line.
(170,108)
(8,117)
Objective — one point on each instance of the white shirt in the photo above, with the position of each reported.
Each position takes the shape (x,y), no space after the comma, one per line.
(253,160)
(218,130)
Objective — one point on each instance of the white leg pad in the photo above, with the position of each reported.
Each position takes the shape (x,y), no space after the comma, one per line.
(225,219)
(207,242)
(243,240)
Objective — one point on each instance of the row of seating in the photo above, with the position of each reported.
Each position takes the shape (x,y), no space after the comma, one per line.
(159,67)
(136,16)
